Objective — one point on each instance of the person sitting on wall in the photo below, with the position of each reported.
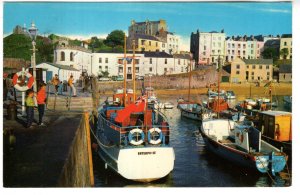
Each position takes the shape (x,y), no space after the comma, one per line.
(71,84)
(55,81)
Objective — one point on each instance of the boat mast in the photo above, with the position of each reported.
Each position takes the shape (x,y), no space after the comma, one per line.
(189,94)
(133,66)
(125,61)
(219,75)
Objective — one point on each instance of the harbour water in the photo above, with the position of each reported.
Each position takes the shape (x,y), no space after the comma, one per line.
(194,165)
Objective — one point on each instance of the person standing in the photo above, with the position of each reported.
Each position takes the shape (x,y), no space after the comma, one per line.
(41,100)
(55,82)
(71,84)
(29,108)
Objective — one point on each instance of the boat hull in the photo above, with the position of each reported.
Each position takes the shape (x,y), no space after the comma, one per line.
(143,164)
(260,162)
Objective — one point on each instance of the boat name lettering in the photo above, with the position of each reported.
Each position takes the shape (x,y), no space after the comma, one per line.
(146,153)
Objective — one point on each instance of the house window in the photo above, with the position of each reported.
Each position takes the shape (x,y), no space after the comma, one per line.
(100,61)
(253,66)
(228,51)
(204,47)
(106,60)
(285,43)
(165,70)
(237,72)
(251,51)
(252,77)
(149,43)
(71,57)
(178,61)
(150,69)
(268,73)
(181,69)
(150,60)
(237,66)
(252,73)
(163,45)
(260,66)
(251,45)
(228,45)
(156,44)
(166,60)
(120,69)
(247,66)
(268,78)
(100,68)
(143,42)
(137,61)
(267,67)
(62,56)
(106,68)
(137,69)
(129,69)
(213,51)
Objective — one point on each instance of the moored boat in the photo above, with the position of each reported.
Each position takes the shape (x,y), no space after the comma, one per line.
(242,144)
(134,138)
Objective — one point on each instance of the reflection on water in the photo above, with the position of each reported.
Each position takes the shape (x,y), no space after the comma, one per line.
(194,165)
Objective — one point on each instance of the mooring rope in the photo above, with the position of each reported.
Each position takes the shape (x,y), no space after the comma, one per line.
(98,141)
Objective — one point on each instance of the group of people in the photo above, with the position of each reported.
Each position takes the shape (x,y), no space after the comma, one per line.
(30,105)
(58,84)
(41,99)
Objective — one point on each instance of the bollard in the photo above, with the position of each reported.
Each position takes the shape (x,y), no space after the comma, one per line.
(12,111)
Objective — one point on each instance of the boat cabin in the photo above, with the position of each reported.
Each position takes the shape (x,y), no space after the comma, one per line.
(276,125)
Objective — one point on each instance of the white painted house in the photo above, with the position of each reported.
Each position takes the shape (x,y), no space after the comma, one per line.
(63,71)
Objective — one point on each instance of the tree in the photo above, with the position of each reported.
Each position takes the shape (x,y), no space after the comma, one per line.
(269,53)
(115,38)
(284,53)
(104,74)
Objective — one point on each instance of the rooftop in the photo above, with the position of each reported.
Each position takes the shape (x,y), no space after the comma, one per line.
(142,36)
(285,68)
(258,61)
(158,54)
(286,36)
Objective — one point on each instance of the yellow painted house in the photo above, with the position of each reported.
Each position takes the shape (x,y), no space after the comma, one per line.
(146,43)
(251,70)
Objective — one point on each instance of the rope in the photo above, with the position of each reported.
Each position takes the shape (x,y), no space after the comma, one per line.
(287,167)
(98,141)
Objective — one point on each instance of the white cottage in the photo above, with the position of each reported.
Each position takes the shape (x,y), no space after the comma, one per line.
(63,71)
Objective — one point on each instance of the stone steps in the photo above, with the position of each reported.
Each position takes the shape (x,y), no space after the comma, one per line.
(77,103)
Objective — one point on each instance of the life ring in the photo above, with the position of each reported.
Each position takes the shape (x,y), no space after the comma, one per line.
(23,87)
(153,141)
(131,138)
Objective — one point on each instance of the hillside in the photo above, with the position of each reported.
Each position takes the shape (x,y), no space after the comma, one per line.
(19,46)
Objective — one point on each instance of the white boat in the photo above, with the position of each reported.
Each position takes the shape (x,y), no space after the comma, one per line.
(242,144)
(230,95)
(168,105)
(134,140)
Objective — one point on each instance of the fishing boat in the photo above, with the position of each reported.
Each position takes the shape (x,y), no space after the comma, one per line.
(276,129)
(195,111)
(230,95)
(242,144)
(168,105)
(214,94)
(287,100)
(134,139)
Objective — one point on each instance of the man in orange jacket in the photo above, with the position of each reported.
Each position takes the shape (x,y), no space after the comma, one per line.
(41,100)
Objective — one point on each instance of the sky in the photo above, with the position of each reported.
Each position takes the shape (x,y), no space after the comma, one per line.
(83,20)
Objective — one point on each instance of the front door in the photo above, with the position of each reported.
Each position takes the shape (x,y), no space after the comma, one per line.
(49,75)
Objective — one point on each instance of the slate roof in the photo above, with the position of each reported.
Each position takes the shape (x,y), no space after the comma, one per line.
(258,61)
(286,36)
(182,56)
(142,36)
(285,68)
(64,67)
(157,54)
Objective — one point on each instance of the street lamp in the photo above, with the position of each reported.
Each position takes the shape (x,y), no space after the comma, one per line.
(33,33)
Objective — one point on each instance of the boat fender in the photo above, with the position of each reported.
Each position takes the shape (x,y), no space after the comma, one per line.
(157,141)
(136,131)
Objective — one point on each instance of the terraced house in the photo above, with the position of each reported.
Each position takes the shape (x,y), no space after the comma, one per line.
(251,70)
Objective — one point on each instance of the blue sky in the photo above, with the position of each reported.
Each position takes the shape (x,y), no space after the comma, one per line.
(89,19)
